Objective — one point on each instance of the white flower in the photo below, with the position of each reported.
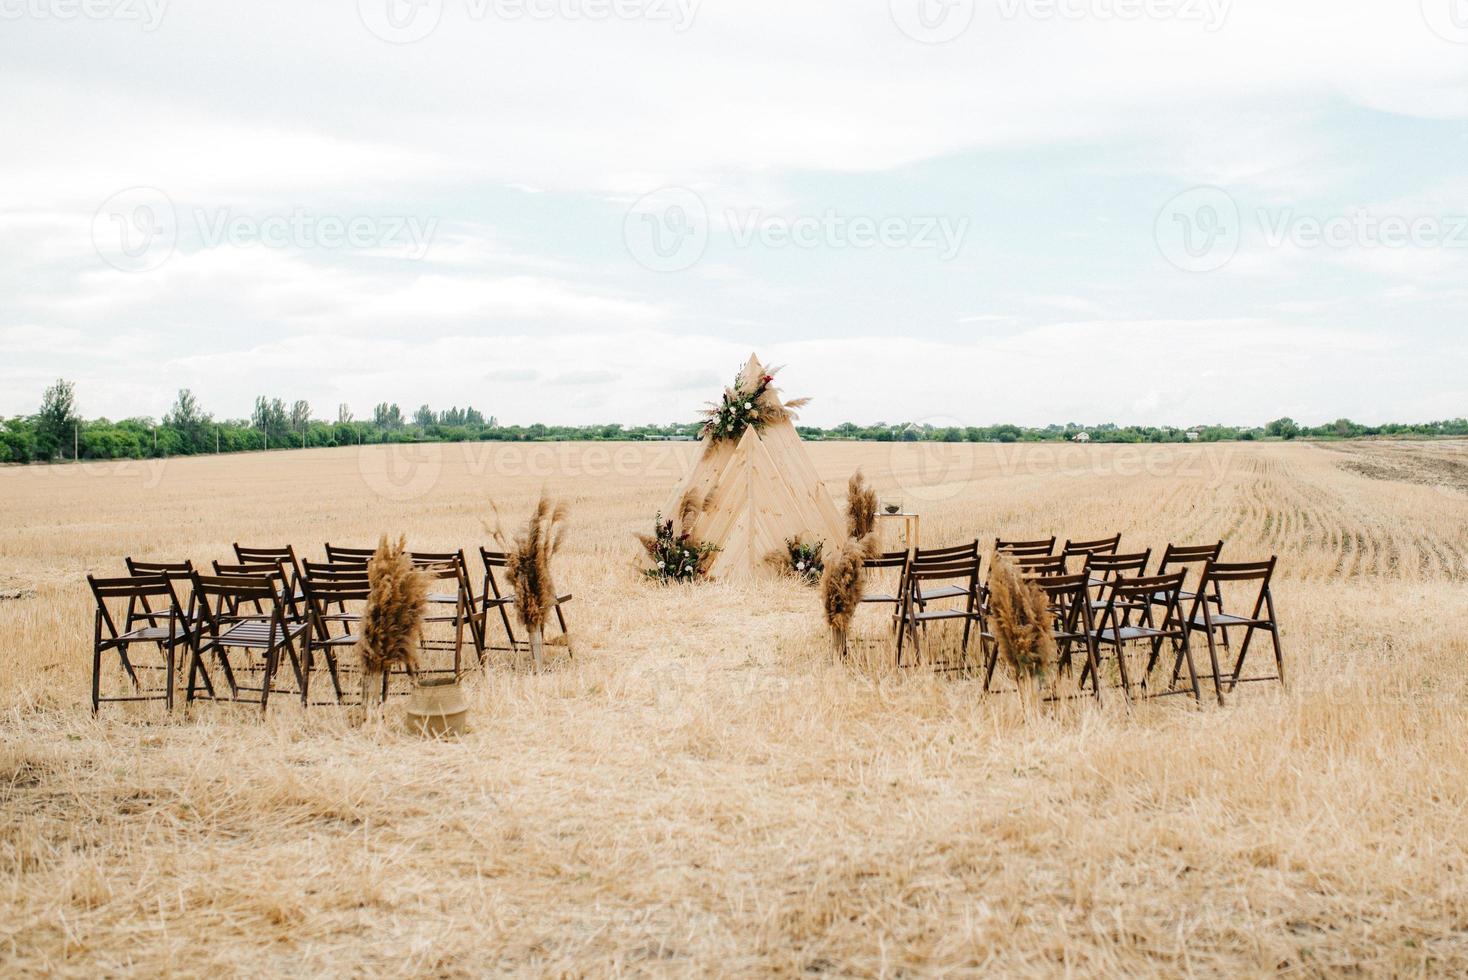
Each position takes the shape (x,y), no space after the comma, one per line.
(662,564)
(800,566)
(749,404)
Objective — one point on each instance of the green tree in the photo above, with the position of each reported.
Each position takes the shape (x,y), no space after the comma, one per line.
(57,420)
(1283,428)
(191,422)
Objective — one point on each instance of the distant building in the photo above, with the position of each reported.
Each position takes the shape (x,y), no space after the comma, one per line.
(1193,435)
(1081,437)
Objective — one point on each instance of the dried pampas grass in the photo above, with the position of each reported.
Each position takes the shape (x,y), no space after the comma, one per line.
(861,507)
(528,566)
(842,588)
(392,620)
(1020,617)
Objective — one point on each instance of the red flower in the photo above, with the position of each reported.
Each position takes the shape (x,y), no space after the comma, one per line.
(768,378)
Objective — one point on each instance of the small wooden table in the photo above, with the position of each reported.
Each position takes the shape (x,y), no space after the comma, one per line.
(906,535)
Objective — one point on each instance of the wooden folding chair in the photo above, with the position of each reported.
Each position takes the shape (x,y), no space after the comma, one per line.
(914,615)
(449,581)
(180,573)
(492,598)
(883,563)
(1100,546)
(925,557)
(1071,623)
(1147,610)
(334,602)
(1043,546)
(223,623)
(463,593)
(163,630)
(1249,577)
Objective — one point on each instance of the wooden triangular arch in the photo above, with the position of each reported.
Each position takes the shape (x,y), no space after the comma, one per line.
(758,492)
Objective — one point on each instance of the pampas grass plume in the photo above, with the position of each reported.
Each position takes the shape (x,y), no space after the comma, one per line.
(861,507)
(1020,617)
(397,599)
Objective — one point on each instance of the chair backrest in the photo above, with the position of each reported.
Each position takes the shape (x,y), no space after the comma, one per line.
(1139,596)
(1068,599)
(1042,546)
(335,553)
(218,598)
(131,589)
(928,556)
(285,555)
(962,568)
(1100,546)
(322,593)
(1200,555)
(172,569)
(1239,585)
(422,558)
(334,571)
(1039,565)
(888,559)
(250,570)
(1109,568)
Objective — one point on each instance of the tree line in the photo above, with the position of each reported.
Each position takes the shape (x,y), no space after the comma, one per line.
(57,430)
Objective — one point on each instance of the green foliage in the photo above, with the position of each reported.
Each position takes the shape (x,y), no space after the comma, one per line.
(187,428)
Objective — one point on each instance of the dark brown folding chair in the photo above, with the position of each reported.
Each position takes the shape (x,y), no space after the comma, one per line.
(224,623)
(492,598)
(884,563)
(925,557)
(1043,546)
(448,581)
(180,573)
(1147,610)
(165,630)
(1100,546)
(1248,584)
(1071,623)
(334,603)
(462,593)
(914,615)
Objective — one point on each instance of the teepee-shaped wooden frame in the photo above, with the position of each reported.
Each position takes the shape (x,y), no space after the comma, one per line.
(758,492)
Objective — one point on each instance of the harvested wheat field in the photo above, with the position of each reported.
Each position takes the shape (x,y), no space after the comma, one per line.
(703,789)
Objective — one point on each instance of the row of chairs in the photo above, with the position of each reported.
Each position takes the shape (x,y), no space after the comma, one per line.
(270,608)
(1102,602)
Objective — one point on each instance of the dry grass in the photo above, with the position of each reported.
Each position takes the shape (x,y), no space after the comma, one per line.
(704,791)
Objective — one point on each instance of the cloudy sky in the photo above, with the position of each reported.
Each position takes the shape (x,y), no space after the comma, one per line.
(962,211)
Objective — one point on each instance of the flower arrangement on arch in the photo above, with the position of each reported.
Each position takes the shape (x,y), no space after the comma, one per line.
(744,406)
(675,554)
(802,559)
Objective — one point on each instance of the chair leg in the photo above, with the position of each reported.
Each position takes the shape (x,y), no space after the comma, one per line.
(96,676)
